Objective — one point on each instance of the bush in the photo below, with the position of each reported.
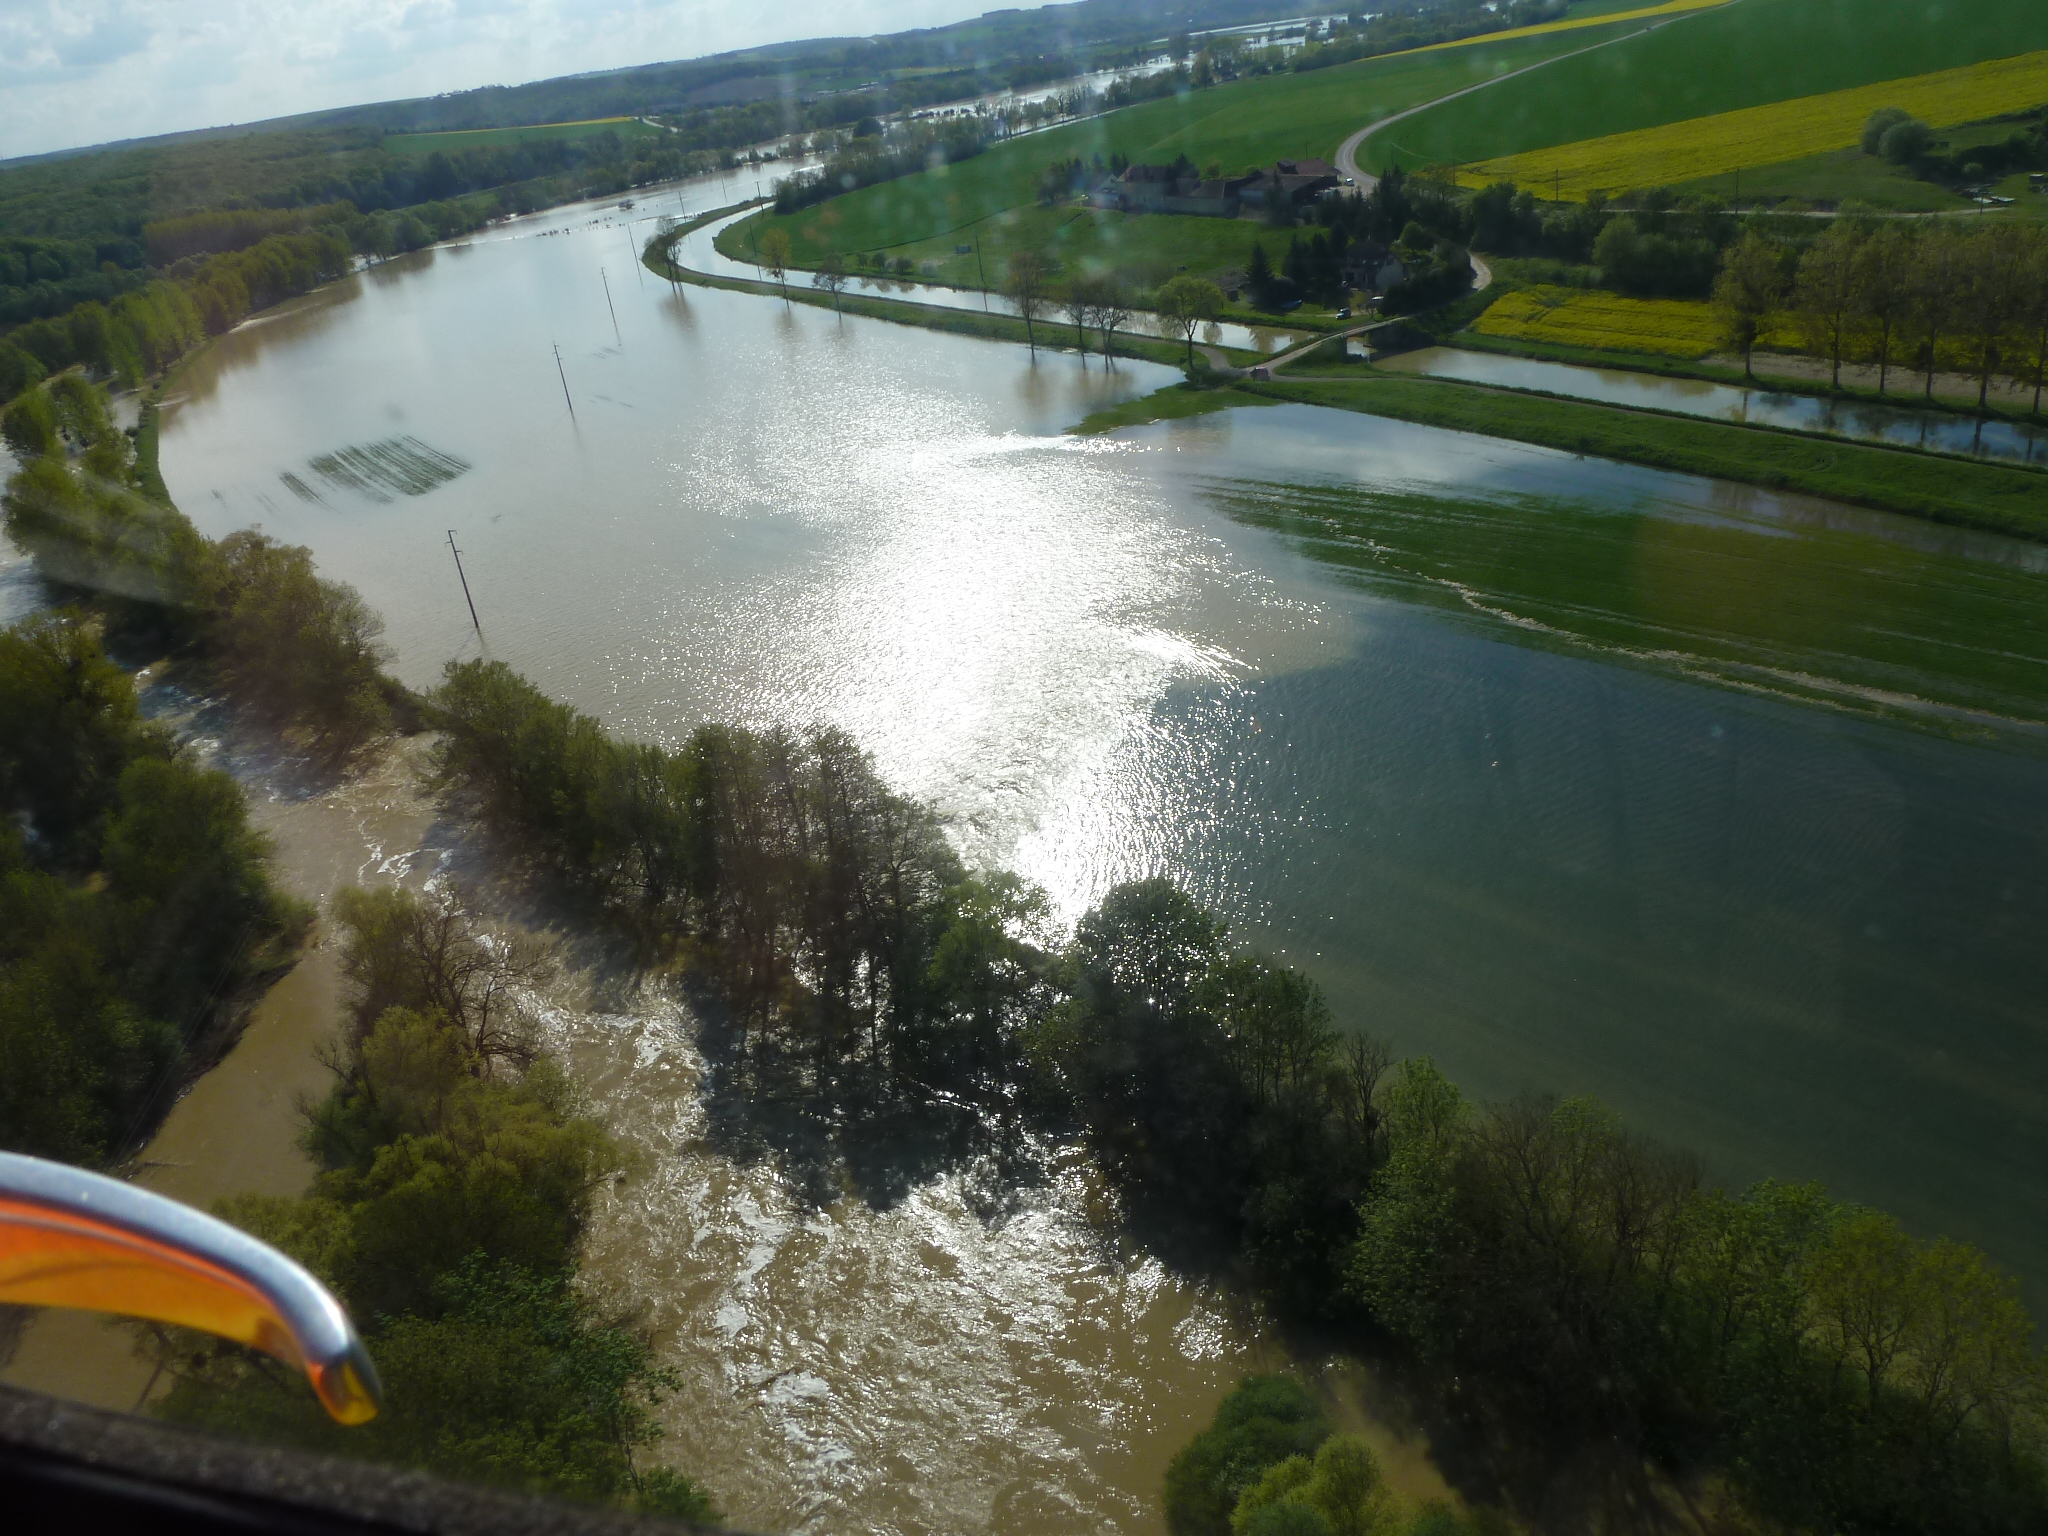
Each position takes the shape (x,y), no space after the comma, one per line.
(1880,122)
(1261,1424)
(1905,142)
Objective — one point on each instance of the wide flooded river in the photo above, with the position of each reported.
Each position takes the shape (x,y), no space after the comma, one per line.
(1580,778)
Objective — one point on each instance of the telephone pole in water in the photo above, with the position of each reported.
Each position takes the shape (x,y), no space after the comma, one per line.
(608,304)
(465,584)
(565,383)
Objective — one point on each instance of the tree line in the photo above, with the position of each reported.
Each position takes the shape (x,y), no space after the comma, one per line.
(144,331)
(1926,296)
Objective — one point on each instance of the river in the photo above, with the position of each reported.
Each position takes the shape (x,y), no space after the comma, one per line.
(1578,777)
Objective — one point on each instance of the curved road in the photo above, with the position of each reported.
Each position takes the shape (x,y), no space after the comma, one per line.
(1347,152)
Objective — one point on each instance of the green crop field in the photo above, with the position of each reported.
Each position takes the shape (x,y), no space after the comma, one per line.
(1747,54)
(498,138)
(1246,123)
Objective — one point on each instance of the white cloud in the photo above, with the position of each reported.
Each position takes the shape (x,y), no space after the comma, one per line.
(85,71)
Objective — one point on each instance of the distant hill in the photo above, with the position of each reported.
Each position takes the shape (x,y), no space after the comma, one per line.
(1058,38)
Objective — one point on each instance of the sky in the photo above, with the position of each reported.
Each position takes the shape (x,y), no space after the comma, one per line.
(76,72)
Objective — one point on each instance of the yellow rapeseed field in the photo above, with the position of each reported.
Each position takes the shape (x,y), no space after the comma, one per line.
(1785,130)
(1668,8)
(1580,317)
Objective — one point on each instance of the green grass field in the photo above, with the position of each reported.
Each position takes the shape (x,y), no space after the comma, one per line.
(1744,55)
(498,138)
(1833,178)
(1248,122)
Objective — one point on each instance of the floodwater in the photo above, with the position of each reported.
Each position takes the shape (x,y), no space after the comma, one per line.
(1722,805)
(1902,426)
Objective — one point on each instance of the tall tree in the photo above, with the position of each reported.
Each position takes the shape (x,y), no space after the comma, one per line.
(1027,286)
(1884,292)
(2030,357)
(1931,315)
(1988,295)
(1187,303)
(1748,291)
(831,277)
(1112,312)
(1824,294)
(1077,303)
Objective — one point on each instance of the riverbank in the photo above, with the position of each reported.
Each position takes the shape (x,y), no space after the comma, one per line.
(1941,489)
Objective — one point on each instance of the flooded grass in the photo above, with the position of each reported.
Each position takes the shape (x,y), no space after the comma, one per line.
(1823,616)
(403,465)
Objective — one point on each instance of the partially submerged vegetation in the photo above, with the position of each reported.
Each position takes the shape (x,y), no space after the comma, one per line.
(1969,495)
(458,1168)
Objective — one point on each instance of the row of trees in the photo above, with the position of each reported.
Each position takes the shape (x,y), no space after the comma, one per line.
(1100,302)
(1932,296)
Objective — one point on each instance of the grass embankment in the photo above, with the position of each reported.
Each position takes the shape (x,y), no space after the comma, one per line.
(1746,55)
(1944,490)
(1710,147)
(1176,402)
(994,197)
(1051,334)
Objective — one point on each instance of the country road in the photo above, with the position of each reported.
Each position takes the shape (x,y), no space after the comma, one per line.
(1347,152)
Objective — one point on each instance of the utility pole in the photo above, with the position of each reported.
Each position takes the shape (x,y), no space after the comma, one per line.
(465,584)
(978,267)
(565,383)
(608,305)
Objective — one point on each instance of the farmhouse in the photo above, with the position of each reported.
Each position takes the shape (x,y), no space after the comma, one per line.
(1177,188)
(1292,181)
(1169,189)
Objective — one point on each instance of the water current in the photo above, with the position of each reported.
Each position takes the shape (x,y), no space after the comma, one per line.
(1295,658)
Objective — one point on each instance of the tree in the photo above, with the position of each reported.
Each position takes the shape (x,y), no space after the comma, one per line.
(1026,286)
(1884,292)
(1748,291)
(1077,303)
(1111,313)
(1187,303)
(831,277)
(1931,312)
(1258,273)
(2030,356)
(774,249)
(1988,295)
(1824,294)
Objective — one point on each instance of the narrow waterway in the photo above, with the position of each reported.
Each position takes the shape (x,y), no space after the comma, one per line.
(1578,777)
(1902,426)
